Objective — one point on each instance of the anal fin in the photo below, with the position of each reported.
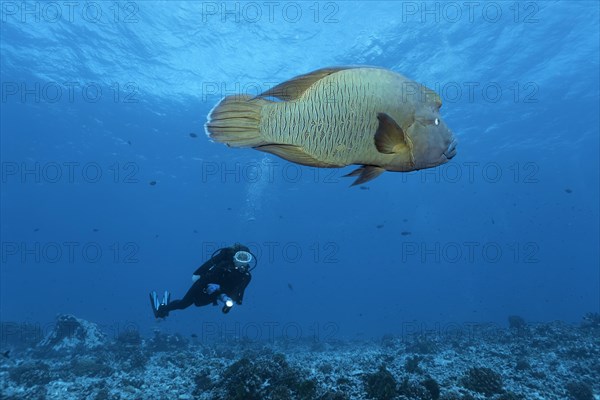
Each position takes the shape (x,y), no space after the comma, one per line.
(365,173)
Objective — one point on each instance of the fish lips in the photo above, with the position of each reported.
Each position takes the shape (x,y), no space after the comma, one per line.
(451,150)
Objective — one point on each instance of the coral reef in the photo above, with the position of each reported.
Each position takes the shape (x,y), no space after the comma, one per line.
(412,364)
(264,377)
(128,352)
(90,367)
(77,361)
(483,380)
(30,375)
(415,390)
(71,333)
(579,391)
(163,342)
(432,387)
(20,335)
(516,322)
(591,321)
(380,385)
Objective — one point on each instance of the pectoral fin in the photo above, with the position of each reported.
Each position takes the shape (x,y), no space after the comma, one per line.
(295,87)
(294,154)
(365,174)
(390,138)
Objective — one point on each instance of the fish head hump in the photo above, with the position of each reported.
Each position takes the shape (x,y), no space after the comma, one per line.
(428,140)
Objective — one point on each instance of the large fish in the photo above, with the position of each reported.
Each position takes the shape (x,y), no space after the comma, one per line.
(335,117)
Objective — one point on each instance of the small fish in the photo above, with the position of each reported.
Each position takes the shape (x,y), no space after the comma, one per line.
(6,354)
(290,286)
(36,229)
(193,135)
(195,231)
(405,233)
(95,229)
(379,226)
(129,142)
(405,220)
(493,222)
(371,117)
(568,190)
(194,335)
(228,208)
(152,183)
(156,236)
(364,188)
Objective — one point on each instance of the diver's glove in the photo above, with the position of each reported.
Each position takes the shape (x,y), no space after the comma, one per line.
(212,288)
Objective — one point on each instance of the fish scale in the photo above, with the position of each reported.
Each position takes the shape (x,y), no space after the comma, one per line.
(326,131)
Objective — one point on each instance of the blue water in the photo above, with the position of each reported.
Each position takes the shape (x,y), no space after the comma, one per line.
(99,100)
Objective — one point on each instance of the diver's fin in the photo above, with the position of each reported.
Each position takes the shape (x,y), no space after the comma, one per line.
(295,154)
(166,298)
(295,87)
(155,299)
(154,303)
(235,121)
(390,138)
(365,174)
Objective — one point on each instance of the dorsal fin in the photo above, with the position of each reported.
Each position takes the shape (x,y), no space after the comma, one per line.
(295,87)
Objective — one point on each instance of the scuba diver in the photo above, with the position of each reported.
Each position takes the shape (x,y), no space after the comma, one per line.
(223,278)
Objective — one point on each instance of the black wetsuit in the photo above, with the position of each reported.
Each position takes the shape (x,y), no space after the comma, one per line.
(219,269)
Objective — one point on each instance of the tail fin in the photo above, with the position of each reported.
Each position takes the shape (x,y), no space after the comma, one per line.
(235,121)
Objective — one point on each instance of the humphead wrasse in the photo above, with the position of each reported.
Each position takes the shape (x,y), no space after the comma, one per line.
(335,117)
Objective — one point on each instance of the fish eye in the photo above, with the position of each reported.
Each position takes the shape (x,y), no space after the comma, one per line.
(436,122)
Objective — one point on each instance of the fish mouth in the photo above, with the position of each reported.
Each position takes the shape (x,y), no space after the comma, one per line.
(451,150)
